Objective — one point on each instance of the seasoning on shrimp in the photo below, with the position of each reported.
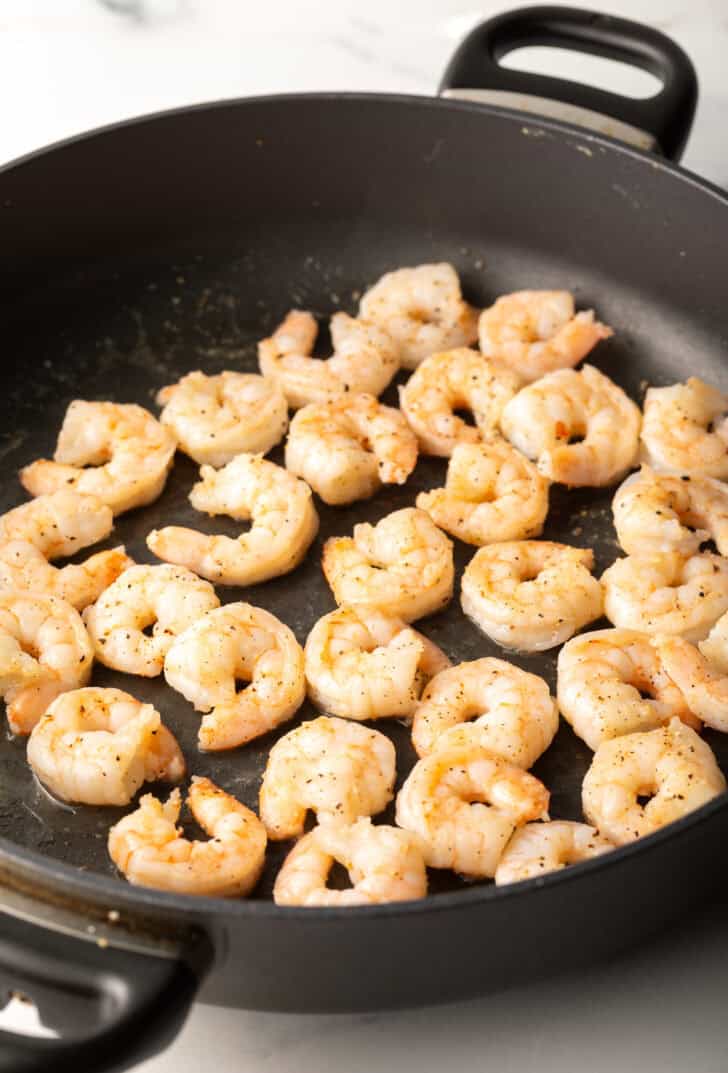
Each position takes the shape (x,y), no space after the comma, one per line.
(659,512)
(539,848)
(685,429)
(704,686)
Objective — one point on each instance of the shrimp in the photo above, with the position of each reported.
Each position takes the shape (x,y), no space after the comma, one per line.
(348,448)
(671,765)
(117,452)
(515,715)
(685,429)
(537,332)
(453,380)
(97,746)
(667,593)
(531,595)
(492,493)
(58,524)
(715,646)
(464,803)
(423,310)
(215,418)
(237,641)
(543,419)
(539,848)
(24,568)
(337,769)
(658,512)
(168,598)
(704,687)
(614,682)
(148,848)
(363,664)
(365,358)
(280,507)
(403,565)
(385,864)
(44,651)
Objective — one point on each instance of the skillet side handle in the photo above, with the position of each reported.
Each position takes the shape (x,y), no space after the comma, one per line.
(661,123)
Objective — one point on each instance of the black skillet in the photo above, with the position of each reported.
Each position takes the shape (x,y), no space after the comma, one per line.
(139,252)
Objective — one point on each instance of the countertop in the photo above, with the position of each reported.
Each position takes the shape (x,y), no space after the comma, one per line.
(68,65)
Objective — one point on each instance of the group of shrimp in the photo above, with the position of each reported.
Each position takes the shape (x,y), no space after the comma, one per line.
(637,694)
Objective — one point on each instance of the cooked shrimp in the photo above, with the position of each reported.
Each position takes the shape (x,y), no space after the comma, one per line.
(539,848)
(464,803)
(348,448)
(492,493)
(117,452)
(704,687)
(215,418)
(515,715)
(537,332)
(337,769)
(365,358)
(44,651)
(587,406)
(531,595)
(672,765)
(58,524)
(280,507)
(24,568)
(613,682)
(423,310)
(237,641)
(453,380)
(667,593)
(148,847)
(97,746)
(403,565)
(168,598)
(715,646)
(656,512)
(685,429)
(363,664)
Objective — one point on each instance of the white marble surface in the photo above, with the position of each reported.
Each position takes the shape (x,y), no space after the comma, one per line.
(68,65)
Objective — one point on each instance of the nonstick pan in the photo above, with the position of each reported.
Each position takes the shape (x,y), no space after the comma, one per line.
(137,253)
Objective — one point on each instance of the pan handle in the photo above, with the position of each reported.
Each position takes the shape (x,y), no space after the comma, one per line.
(661,123)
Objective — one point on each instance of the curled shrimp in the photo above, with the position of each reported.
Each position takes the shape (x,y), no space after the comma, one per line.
(492,493)
(704,686)
(685,429)
(451,380)
(365,358)
(363,664)
(97,746)
(531,595)
(280,507)
(24,567)
(537,332)
(659,512)
(114,451)
(538,848)
(715,646)
(149,849)
(544,417)
(672,766)
(403,565)
(58,524)
(348,448)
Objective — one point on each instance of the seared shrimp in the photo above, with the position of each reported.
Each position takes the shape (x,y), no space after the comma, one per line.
(603,677)
(119,453)
(97,746)
(215,418)
(24,568)
(543,418)
(348,448)
(492,493)
(337,769)
(704,687)
(58,524)
(715,646)
(671,765)
(464,803)
(150,850)
(453,380)
(539,848)
(385,864)
(363,664)
(537,332)
(44,651)
(280,507)
(237,641)
(365,358)
(515,715)
(531,595)
(403,565)
(422,308)
(656,512)
(168,598)
(685,429)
